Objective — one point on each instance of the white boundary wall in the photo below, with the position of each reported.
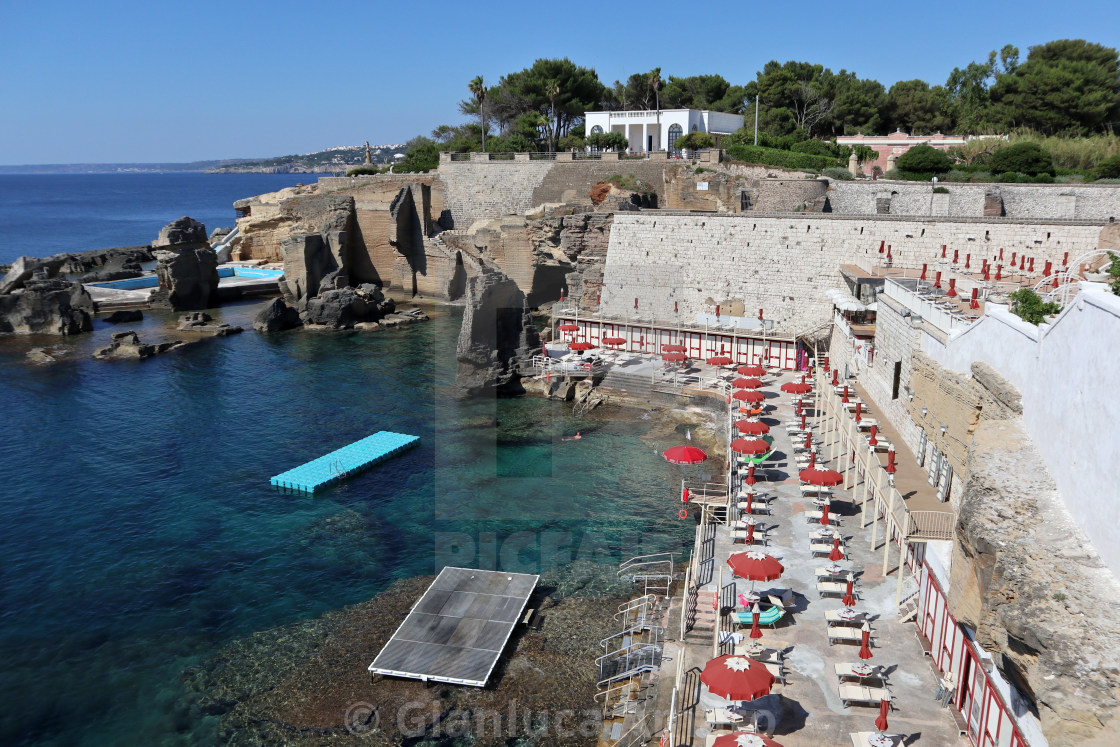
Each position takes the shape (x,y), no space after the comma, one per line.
(1068,376)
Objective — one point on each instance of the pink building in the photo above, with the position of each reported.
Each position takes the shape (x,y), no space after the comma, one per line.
(897,143)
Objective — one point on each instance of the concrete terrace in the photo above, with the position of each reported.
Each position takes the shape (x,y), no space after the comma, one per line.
(811,710)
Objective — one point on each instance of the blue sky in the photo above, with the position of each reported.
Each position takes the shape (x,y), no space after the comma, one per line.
(113,81)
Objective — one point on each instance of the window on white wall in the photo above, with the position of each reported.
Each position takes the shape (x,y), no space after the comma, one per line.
(945,481)
(923,441)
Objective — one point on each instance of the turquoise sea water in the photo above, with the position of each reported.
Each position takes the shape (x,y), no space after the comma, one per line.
(138,531)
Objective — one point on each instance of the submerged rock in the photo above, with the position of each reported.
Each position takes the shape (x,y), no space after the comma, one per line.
(127,346)
(51,307)
(199,322)
(125,316)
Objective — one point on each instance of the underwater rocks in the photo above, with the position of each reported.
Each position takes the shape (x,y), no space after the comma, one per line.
(127,346)
(199,323)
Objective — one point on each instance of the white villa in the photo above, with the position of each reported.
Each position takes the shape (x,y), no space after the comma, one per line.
(643,128)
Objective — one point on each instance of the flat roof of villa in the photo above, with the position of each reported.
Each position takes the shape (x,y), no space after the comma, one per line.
(459,627)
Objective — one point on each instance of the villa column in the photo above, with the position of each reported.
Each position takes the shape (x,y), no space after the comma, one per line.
(875,506)
(866,480)
(887,531)
(901,571)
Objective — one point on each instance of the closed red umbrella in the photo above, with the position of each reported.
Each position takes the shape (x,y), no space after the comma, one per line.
(685,455)
(747,383)
(844,398)
(719,360)
(824,514)
(749,395)
(756,612)
(750,446)
(750,532)
(737,677)
(750,476)
(752,427)
(755,566)
(808,436)
(884,708)
(874,431)
(750,370)
(674,357)
(837,553)
(581,346)
(849,599)
(891,467)
(799,412)
(865,643)
(859,411)
(569,327)
(835,377)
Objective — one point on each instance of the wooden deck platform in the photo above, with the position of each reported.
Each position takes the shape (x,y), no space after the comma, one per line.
(459,627)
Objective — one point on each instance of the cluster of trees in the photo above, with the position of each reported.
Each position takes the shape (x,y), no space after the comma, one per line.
(1066,87)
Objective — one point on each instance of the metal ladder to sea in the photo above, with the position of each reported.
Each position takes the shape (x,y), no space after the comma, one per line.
(654,571)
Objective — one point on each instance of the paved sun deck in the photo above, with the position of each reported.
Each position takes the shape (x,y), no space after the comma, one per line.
(459,627)
(813,713)
(342,463)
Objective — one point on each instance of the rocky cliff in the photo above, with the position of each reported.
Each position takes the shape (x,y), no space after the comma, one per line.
(498,338)
(1031,585)
(50,307)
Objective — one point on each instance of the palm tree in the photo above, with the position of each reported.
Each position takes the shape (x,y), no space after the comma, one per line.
(477,87)
(552,90)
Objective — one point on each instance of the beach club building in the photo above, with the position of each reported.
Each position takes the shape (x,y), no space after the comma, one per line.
(656,130)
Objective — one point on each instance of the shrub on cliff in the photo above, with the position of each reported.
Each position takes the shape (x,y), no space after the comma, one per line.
(780,158)
(835,172)
(1024,158)
(422,155)
(924,159)
(694,141)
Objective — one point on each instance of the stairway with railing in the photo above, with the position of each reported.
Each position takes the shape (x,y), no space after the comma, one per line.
(654,571)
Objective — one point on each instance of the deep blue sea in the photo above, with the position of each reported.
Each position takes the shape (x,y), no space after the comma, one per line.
(138,531)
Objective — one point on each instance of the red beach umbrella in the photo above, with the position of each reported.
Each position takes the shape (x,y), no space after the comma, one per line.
(752,427)
(797,387)
(747,383)
(672,348)
(749,395)
(849,599)
(824,515)
(891,466)
(674,357)
(581,346)
(719,360)
(613,341)
(859,411)
(874,431)
(744,739)
(802,419)
(844,399)
(753,446)
(756,612)
(755,566)
(750,532)
(685,455)
(814,475)
(808,436)
(837,553)
(737,677)
(865,643)
(884,708)
(750,476)
(569,327)
(751,370)
(835,377)
(799,410)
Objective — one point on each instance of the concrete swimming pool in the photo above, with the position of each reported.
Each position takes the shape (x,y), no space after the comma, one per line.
(151,281)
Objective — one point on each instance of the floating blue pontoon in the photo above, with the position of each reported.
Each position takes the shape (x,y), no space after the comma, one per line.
(345,462)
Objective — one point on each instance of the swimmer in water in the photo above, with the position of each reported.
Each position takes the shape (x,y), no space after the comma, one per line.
(573,438)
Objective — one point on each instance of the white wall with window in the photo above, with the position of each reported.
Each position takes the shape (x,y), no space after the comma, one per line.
(654,130)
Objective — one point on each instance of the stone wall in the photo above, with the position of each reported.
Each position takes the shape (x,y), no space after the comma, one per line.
(784,264)
(488,190)
(571,183)
(1095,202)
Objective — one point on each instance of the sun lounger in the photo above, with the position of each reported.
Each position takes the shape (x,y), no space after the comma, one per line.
(815,490)
(824,548)
(832,617)
(862,738)
(844,672)
(845,634)
(834,588)
(785,601)
(768,616)
(816,516)
(825,573)
(856,694)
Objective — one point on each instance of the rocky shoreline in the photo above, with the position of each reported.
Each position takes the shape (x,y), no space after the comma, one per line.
(307,683)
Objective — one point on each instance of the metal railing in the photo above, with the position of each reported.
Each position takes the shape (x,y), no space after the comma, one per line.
(580,155)
(542,156)
(933,525)
(639,733)
(460,156)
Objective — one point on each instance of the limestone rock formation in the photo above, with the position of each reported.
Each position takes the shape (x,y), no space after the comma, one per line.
(183,231)
(52,307)
(342,308)
(498,337)
(200,323)
(116,259)
(25,269)
(188,279)
(276,316)
(127,346)
(314,262)
(1048,618)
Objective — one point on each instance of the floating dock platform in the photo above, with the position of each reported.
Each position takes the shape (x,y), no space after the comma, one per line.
(342,463)
(458,629)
